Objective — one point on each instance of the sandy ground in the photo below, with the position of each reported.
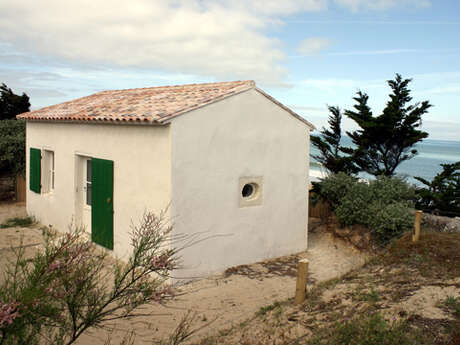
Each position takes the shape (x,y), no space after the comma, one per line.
(220,301)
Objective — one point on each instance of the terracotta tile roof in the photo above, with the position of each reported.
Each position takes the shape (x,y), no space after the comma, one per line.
(154,105)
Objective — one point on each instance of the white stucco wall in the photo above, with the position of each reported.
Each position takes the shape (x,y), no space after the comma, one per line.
(212,148)
(141,156)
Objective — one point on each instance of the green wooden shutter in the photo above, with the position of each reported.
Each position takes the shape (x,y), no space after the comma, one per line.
(35,170)
(102,202)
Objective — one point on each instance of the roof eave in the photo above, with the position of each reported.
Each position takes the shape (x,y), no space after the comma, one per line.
(145,122)
(293,113)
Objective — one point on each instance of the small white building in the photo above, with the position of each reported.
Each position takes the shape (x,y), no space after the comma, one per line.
(230,160)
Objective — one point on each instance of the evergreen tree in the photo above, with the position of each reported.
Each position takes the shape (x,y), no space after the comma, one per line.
(12,104)
(385,141)
(442,194)
(332,155)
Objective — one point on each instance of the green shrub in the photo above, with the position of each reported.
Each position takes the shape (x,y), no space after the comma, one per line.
(391,189)
(383,205)
(353,206)
(334,187)
(390,221)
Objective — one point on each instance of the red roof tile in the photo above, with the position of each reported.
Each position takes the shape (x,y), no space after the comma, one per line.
(155,105)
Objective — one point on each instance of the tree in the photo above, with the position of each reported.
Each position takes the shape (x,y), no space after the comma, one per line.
(443,193)
(385,141)
(69,287)
(12,147)
(332,155)
(11,104)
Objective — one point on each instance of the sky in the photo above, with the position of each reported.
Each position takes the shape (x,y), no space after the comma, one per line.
(308,54)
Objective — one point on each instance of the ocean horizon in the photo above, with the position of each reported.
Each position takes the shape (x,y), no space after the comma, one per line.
(426,164)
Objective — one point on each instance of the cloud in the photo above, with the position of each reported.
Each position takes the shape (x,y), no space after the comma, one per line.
(358,5)
(313,45)
(221,39)
(376,52)
(286,7)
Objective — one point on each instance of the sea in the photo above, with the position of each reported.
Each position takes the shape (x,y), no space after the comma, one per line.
(427,163)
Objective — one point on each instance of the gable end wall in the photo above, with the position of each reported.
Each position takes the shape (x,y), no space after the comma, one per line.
(246,135)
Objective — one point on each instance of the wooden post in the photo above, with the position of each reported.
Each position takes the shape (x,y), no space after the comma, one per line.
(20,189)
(416,233)
(301,285)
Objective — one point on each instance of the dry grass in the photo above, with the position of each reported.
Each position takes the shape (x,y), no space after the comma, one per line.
(407,295)
(435,255)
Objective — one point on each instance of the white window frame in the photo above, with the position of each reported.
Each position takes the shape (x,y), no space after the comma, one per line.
(87,183)
(49,170)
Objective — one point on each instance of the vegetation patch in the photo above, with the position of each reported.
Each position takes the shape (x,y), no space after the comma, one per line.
(371,328)
(435,255)
(452,304)
(264,310)
(18,222)
(382,205)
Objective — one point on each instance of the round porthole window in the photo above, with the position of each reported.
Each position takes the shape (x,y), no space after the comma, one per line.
(249,190)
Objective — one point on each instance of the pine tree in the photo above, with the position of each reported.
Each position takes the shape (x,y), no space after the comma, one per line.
(332,156)
(385,141)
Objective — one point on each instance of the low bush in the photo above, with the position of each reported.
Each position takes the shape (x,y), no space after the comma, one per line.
(383,205)
(390,221)
(334,187)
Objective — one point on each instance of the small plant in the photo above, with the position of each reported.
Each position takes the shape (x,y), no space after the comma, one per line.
(372,296)
(17,222)
(453,303)
(264,310)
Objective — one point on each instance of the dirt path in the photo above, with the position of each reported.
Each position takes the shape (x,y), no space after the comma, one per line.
(229,299)
(222,300)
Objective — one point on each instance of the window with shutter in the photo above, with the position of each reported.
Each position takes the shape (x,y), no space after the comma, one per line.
(35,170)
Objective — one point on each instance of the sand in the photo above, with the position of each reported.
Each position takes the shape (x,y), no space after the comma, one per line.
(219,301)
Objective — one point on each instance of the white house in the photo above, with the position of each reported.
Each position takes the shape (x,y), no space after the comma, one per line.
(230,160)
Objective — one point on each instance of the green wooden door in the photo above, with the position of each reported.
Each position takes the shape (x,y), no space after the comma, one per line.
(35,170)
(102,202)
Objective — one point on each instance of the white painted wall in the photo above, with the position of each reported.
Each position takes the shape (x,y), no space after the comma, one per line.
(141,156)
(244,135)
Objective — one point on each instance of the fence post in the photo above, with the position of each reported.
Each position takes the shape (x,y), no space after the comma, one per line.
(20,182)
(416,233)
(301,284)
